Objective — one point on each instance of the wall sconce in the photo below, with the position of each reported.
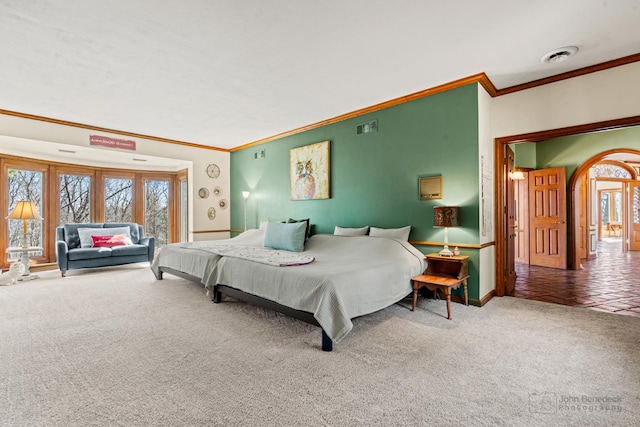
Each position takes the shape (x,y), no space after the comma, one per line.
(245,194)
(516,175)
(446,216)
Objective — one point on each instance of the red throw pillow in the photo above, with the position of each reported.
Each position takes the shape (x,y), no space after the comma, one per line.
(117,240)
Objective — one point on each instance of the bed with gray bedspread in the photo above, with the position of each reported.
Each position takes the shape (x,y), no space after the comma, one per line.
(350,276)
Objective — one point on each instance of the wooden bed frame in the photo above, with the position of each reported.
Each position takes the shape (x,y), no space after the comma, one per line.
(219,290)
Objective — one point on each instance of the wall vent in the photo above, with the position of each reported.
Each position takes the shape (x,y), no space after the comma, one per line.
(367,127)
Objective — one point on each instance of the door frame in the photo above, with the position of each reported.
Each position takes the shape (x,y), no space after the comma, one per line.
(501,182)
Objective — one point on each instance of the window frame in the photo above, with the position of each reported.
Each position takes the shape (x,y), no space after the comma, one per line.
(51,197)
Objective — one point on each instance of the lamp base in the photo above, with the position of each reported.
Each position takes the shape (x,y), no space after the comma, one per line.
(27,277)
(445,252)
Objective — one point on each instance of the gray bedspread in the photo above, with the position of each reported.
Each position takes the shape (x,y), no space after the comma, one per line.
(350,277)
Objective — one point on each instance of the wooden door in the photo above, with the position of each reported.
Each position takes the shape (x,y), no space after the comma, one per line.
(510,283)
(583,218)
(634,216)
(548,218)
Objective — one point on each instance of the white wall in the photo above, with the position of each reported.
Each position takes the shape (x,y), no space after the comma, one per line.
(38,139)
(487,179)
(605,95)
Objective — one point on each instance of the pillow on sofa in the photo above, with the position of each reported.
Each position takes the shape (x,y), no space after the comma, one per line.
(87,242)
(391,233)
(109,241)
(285,236)
(343,231)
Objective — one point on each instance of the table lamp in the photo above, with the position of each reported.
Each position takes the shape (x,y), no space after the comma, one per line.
(446,216)
(25,210)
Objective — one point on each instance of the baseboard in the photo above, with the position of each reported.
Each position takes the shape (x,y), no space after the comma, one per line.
(473,301)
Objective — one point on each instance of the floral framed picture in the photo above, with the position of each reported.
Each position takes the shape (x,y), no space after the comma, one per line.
(309,171)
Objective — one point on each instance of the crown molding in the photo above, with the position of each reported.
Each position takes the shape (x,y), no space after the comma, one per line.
(106,130)
(480,78)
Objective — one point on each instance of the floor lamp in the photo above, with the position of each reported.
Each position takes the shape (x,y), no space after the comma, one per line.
(446,216)
(25,211)
(245,194)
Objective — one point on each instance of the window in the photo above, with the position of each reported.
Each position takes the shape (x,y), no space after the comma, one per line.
(75,199)
(118,199)
(66,193)
(156,210)
(605,208)
(24,184)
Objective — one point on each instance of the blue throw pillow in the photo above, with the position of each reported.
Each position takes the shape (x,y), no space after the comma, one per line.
(285,236)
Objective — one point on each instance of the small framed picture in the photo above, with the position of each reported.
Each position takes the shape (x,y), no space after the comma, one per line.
(430,187)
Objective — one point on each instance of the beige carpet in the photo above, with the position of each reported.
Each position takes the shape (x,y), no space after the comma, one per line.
(116,347)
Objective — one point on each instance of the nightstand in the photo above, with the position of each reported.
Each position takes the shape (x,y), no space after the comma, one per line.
(443,273)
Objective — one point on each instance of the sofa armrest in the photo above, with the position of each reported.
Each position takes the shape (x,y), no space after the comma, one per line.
(150,242)
(62,254)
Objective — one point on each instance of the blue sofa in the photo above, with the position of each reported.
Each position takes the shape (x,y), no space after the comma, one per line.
(71,255)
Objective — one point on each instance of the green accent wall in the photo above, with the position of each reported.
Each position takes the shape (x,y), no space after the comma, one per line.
(573,151)
(524,155)
(374,176)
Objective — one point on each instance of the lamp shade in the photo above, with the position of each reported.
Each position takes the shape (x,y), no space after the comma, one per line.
(446,216)
(245,194)
(24,210)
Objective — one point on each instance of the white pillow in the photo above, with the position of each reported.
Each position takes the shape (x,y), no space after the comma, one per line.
(342,231)
(87,242)
(391,233)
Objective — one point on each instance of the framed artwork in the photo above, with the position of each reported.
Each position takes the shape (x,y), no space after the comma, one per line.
(309,171)
(430,187)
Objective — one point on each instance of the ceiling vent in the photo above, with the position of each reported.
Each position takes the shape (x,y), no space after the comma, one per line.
(559,55)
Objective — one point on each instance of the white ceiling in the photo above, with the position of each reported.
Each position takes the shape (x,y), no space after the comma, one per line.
(228,72)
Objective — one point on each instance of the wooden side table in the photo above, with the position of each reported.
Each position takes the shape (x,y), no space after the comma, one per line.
(443,273)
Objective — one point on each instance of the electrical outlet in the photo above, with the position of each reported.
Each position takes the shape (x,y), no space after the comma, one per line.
(259,154)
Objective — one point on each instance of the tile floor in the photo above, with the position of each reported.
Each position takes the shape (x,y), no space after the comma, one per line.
(610,282)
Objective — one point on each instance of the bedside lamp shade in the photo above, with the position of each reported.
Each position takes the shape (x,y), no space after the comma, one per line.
(446,216)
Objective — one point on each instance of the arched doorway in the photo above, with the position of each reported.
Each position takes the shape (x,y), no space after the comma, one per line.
(584,232)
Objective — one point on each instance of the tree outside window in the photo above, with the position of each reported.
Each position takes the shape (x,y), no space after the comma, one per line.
(26,185)
(118,199)
(75,199)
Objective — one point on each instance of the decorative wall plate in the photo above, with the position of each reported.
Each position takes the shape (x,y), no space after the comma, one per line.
(217,191)
(203,193)
(223,203)
(211,213)
(213,170)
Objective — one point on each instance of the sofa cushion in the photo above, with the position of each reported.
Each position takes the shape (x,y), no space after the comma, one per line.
(134,229)
(129,250)
(86,239)
(89,253)
(71,236)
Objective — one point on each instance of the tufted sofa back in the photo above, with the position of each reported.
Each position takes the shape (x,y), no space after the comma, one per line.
(69,232)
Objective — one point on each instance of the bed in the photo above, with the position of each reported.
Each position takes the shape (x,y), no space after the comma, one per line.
(339,278)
